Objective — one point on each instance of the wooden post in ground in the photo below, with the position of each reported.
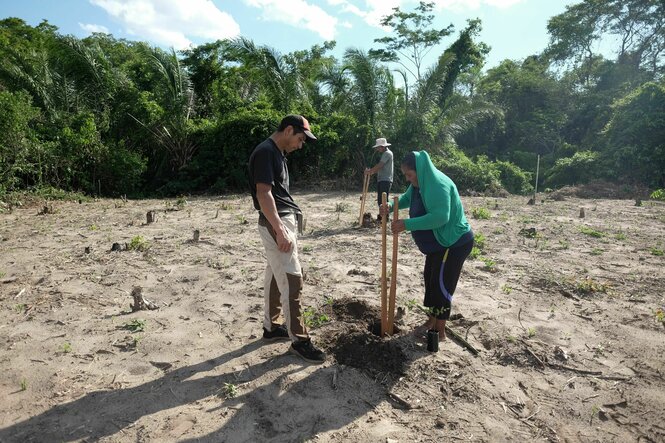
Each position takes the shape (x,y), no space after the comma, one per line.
(384,285)
(393,272)
(363,198)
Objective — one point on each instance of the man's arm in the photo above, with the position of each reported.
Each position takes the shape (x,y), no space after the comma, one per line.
(269,209)
(375,169)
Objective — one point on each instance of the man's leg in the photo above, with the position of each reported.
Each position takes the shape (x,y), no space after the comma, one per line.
(287,277)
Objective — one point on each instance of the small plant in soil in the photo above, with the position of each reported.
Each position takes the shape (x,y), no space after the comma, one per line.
(597,251)
(511,339)
(24,384)
(66,347)
(307,248)
(2,274)
(93,227)
(590,286)
(230,390)
(660,316)
(136,325)
(20,308)
(225,206)
(138,243)
(657,252)
(620,236)
(591,232)
(314,319)
(475,253)
(490,265)
(480,213)
(531,332)
(180,203)
(506,289)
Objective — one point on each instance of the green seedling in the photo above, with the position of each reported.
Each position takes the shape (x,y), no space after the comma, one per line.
(314,319)
(511,339)
(620,236)
(136,325)
(93,227)
(241,219)
(657,252)
(480,213)
(24,384)
(66,347)
(596,251)
(20,308)
(230,390)
(307,248)
(506,289)
(180,203)
(225,206)
(591,232)
(138,243)
(590,286)
(475,253)
(479,241)
(660,316)
(490,265)
(2,274)
(531,332)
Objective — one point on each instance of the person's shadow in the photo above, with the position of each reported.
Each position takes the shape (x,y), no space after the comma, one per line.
(277,411)
(285,411)
(103,413)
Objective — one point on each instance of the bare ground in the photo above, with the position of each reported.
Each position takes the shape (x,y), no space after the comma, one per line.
(563,310)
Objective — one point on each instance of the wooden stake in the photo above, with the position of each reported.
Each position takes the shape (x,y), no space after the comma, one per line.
(363,198)
(384,285)
(393,271)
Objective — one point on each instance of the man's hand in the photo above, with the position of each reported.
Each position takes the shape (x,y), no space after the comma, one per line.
(284,243)
(397,226)
(368,171)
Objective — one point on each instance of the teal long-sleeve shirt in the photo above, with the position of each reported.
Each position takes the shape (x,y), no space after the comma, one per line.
(445,213)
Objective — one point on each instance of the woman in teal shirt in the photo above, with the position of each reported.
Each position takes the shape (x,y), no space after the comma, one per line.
(440,230)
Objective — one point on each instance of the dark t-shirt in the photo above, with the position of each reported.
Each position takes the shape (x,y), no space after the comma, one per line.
(267,165)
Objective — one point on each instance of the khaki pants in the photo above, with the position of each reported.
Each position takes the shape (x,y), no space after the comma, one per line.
(283,280)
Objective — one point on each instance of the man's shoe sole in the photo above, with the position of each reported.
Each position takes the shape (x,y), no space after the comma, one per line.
(293,351)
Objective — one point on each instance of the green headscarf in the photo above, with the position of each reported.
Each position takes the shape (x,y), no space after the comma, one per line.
(445,214)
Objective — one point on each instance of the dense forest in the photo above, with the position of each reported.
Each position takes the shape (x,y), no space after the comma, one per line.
(107,116)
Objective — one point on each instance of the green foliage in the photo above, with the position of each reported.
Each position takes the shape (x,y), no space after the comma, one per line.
(313,319)
(656,251)
(636,135)
(480,213)
(514,179)
(658,194)
(136,325)
(590,286)
(591,232)
(230,390)
(24,384)
(580,168)
(138,243)
(66,347)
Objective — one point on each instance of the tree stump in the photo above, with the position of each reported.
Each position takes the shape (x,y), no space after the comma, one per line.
(116,247)
(141,303)
(197,234)
(581,212)
(151,217)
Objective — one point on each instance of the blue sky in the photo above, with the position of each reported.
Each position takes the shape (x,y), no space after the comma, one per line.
(514,29)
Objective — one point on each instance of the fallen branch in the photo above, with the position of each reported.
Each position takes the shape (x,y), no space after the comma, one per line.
(405,404)
(596,374)
(540,362)
(461,340)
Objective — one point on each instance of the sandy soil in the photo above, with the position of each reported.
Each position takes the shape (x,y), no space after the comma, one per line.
(563,311)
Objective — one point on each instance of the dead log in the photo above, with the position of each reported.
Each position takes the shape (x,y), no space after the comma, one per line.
(151,216)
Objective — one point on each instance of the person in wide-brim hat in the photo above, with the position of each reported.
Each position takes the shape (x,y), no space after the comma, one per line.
(383,170)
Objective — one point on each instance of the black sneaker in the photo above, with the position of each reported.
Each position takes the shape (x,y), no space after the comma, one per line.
(279,333)
(306,350)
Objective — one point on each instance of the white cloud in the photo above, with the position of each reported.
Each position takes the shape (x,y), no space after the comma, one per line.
(466,5)
(298,13)
(93,28)
(171,22)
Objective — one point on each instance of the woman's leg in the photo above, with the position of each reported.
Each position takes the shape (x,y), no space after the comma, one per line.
(443,283)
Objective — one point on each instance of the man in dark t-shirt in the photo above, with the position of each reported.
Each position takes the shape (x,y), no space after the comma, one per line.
(278,220)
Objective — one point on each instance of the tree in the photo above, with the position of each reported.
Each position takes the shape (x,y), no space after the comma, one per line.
(413,40)
(638,25)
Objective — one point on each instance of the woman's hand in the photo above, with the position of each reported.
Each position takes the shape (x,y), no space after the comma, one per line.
(397,226)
